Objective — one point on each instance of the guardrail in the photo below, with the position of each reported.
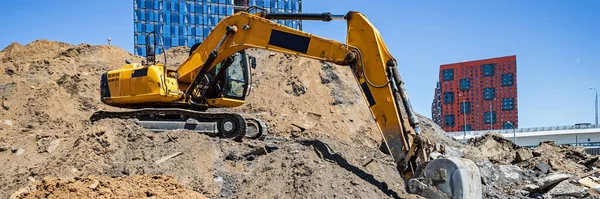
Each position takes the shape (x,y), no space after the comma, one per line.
(523,130)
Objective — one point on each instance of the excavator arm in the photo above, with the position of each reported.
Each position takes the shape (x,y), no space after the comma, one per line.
(374,68)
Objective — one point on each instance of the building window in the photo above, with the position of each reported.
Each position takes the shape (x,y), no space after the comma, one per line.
(489,115)
(448,74)
(489,93)
(465,107)
(465,84)
(465,127)
(448,97)
(488,69)
(507,79)
(507,104)
(448,120)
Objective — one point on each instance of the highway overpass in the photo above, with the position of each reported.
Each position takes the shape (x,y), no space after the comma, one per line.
(581,135)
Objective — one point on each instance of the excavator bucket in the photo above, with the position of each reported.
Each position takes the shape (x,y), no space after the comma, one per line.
(451,177)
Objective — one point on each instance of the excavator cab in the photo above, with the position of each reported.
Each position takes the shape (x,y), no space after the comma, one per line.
(234,84)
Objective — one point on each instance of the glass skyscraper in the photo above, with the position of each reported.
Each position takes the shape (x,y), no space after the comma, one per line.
(186,22)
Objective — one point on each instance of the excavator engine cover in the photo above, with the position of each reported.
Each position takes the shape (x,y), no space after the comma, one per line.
(451,177)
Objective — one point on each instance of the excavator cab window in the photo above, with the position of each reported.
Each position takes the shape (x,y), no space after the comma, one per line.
(236,78)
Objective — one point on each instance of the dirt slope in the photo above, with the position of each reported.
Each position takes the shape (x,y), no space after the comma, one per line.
(324,134)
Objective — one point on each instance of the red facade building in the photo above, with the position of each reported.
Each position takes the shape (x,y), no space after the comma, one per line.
(477,95)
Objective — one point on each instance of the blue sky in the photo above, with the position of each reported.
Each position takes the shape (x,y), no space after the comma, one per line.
(557,43)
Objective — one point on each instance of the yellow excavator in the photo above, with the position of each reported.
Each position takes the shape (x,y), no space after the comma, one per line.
(217,74)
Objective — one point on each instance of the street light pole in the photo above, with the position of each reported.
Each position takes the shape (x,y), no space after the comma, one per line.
(514,132)
(596,105)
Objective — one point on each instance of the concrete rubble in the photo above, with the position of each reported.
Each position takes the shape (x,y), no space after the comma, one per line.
(546,171)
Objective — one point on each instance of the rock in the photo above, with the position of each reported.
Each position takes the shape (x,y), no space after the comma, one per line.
(20,151)
(566,188)
(218,179)
(354,182)
(435,155)
(542,166)
(551,180)
(53,145)
(417,187)
(587,162)
(5,105)
(8,122)
(94,185)
(3,146)
(453,152)
(510,171)
(523,154)
(17,193)
(521,192)
(500,175)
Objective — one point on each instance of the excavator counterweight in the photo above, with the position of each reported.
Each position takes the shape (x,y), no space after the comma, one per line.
(217,74)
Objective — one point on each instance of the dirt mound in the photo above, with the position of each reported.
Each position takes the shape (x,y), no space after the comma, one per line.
(52,87)
(560,158)
(547,155)
(137,186)
(324,138)
(492,147)
(437,134)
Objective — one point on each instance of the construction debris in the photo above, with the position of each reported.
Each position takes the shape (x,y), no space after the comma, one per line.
(167,158)
(547,170)
(523,154)
(591,184)
(566,188)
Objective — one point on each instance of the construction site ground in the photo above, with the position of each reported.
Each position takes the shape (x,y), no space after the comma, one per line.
(323,141)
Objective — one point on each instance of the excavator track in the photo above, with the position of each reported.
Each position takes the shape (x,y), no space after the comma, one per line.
(229,125)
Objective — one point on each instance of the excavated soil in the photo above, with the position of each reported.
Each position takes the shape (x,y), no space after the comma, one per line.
(324,142)
(492,147)
(136,186)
